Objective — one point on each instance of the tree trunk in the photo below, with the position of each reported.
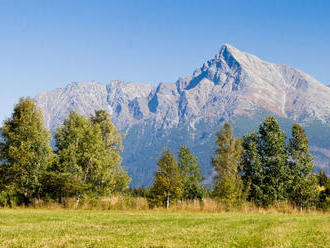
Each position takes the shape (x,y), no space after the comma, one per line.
(60,198)
(39,200)
(78,199)
(26,199)
(168,201)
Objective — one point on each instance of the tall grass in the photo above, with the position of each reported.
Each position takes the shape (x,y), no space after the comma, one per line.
(208,205)
(212,205)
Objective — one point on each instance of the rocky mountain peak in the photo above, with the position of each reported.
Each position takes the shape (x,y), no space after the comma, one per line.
(232,85)
(227,51)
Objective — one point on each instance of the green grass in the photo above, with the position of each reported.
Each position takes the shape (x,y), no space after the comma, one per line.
(84,228)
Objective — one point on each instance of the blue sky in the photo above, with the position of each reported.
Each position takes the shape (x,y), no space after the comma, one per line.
(45,44)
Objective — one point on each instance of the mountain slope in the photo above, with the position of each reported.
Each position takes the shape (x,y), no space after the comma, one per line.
(233,86)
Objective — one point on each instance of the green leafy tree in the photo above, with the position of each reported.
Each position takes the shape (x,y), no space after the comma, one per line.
(25,151)
(111,136)
(167,181)
(324,191)
(252,169)
(191,174)
(86,158)
(60,184)
(78,153)
(302,186)
(228,185)
(113,142)
(272,149)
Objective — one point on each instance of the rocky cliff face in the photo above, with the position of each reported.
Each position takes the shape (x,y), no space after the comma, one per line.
(233,86)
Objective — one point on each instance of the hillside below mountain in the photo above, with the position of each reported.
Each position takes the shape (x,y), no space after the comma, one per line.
(233,86)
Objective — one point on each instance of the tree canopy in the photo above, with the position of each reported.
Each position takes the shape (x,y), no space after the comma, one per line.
(167,181)
(88,149)
(302,187)
(24,151)
(191,174)
(228,184)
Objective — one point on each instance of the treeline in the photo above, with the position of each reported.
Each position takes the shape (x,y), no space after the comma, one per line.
(261,168)
(86,160)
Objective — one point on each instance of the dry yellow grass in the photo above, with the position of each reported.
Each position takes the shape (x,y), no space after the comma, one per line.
(208,205)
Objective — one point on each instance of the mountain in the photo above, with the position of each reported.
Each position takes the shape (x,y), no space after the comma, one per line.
(233,86)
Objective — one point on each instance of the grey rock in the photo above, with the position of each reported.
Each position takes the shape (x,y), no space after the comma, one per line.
(232,85)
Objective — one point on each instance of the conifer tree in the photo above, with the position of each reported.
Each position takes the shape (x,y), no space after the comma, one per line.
(228,183)
(302,186)
(167,181)
(252,169)
(272,149)
(25,151)
(191,174)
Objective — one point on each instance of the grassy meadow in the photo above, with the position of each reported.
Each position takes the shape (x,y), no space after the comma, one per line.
(159,228)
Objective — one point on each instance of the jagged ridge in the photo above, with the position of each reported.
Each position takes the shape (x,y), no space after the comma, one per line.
(232,84)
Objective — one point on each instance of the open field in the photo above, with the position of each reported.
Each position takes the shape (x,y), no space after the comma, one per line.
(93,228)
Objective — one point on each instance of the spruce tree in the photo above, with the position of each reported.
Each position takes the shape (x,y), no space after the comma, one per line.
(25,151)
(191,174)
(302,186)
(272,149)
(252,169)
(167,184)
(228,185)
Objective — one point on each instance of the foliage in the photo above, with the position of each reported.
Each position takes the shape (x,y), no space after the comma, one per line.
(138,192)
(89,156)
(167,181)
(25,152)
(113,142)
(111,137)
(275,172)
(272,149)
(59,184)
(252,168)
(191,174)
(228,185)
(87,165)
(324,191)
(302,187)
